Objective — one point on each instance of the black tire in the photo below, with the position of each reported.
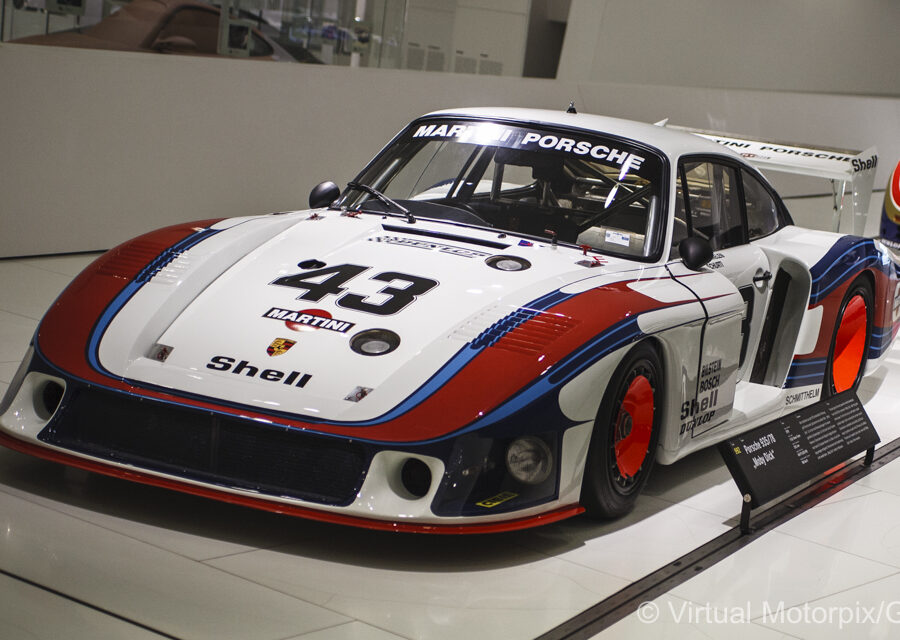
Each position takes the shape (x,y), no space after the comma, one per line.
(613,477)
(846,363)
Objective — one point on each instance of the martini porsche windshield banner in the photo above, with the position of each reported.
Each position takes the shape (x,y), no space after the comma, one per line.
(609,152)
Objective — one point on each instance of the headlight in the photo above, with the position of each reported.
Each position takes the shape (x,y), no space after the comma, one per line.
(528,460)
(374,342)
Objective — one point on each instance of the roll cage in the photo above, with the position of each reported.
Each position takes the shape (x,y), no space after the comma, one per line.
(588,189)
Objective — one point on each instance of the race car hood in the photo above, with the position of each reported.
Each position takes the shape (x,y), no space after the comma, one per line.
(284,327)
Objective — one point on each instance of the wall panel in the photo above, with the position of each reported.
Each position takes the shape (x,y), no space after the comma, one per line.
(98,146)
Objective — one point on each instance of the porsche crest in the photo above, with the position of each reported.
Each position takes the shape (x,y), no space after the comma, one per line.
(280,346)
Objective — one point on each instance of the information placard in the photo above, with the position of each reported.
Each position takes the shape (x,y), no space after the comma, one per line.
(772,459)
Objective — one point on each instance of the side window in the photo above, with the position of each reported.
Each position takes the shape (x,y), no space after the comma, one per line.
(713,202)
(762,212)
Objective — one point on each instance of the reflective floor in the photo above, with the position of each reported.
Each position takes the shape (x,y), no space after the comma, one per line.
(86,556)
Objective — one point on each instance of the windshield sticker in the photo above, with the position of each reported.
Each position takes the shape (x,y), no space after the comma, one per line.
(509,137)
(308,319)
(615,237)
(431,246)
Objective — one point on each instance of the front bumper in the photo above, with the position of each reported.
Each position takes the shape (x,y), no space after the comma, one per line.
(455,485)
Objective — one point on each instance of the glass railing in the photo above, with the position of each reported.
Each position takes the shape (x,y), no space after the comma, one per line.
(342,32)
(463,36)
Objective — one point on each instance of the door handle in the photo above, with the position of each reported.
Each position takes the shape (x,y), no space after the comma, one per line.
(765,276)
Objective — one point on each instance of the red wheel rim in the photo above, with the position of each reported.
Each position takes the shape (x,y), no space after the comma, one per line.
(849,344)
(634,426)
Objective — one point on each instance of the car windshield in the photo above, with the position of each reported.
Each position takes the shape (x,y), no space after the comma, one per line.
(577,187)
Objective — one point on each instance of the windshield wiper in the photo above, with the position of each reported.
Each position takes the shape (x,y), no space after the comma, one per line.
(387,201)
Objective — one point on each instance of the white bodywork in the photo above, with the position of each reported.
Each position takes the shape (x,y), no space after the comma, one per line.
(205,326)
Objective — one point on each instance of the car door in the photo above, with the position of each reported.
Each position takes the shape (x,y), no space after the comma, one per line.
(715,209)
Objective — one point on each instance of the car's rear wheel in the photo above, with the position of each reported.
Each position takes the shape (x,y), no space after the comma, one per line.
(849,348)
(626,431)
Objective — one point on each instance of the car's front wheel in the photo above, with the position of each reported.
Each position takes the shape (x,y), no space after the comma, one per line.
(626,431)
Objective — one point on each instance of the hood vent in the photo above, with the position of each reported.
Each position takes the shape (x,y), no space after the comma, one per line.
(173,272)
(131,259)
(445,236)
(166,265)
(525,331)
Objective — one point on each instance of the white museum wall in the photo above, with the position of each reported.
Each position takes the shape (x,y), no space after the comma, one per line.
(822,46)
(98,146)
(467,36)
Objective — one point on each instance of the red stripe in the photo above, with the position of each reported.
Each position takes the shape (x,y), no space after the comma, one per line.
(66,328)
(493,376)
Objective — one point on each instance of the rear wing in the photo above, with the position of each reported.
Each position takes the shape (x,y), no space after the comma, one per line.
(849,171)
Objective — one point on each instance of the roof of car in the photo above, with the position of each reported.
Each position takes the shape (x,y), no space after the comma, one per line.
(670,141)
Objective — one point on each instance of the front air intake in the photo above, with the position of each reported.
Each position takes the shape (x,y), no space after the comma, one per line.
(209,447)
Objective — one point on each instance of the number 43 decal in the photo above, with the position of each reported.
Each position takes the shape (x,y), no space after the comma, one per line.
(330,281)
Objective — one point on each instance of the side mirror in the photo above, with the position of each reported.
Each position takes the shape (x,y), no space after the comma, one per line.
(695,252)
(323,194)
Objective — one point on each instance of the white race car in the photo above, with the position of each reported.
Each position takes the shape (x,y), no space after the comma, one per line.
(506,319)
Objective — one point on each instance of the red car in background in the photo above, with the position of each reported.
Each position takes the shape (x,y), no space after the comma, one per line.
(170,26)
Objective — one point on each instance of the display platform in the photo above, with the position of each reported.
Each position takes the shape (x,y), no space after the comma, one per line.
(88,556)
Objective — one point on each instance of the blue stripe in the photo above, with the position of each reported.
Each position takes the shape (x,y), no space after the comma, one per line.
(493,333)
(802,371)
(618,335)
(808,362)
(808,375)
(846,257)
(833,260)
(456,364)
(144,276)
(881,342)
(485,339)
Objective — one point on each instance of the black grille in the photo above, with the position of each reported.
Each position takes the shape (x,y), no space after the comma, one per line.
(209,447)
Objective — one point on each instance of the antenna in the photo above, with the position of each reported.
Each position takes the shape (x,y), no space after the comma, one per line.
(571,108)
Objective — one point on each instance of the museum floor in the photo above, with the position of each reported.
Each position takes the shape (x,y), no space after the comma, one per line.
(86,556)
